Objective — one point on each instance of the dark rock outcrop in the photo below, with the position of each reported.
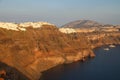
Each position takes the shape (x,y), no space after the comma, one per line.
(10,73)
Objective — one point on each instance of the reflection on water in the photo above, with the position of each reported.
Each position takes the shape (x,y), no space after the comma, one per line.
(105,66)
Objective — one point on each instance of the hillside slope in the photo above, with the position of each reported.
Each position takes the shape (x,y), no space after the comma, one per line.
(82,24)
(37,49)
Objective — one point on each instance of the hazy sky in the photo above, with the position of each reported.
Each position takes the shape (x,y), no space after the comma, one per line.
(60,12)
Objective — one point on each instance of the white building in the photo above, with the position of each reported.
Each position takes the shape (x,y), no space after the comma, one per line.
(67,30)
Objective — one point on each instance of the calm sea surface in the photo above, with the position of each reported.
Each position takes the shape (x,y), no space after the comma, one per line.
(105,66)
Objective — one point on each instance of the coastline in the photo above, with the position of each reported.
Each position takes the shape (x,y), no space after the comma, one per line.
(87,54)
(34,54)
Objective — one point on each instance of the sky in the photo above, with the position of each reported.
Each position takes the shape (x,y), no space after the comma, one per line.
(60,12)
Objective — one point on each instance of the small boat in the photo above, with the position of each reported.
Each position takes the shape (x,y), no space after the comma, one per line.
(112,46)
(106,49)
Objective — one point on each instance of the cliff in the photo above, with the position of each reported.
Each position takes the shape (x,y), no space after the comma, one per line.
(36,49)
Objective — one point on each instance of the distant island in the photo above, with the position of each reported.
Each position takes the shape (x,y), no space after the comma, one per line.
(28,49)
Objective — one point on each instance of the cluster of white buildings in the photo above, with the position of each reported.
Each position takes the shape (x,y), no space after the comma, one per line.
(67,30)
(22,26)
(9,26)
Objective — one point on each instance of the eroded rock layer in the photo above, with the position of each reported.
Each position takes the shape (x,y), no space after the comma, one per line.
(37,49)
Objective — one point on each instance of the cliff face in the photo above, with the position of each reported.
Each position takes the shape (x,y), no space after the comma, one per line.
(37,49)
(103,38)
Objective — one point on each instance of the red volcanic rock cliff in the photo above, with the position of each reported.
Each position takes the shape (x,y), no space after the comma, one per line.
(38,49)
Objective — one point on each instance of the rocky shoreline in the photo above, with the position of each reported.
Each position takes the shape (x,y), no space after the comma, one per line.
(81,56)
(34,51)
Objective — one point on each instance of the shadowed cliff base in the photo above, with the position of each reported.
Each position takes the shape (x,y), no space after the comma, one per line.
(10,73)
